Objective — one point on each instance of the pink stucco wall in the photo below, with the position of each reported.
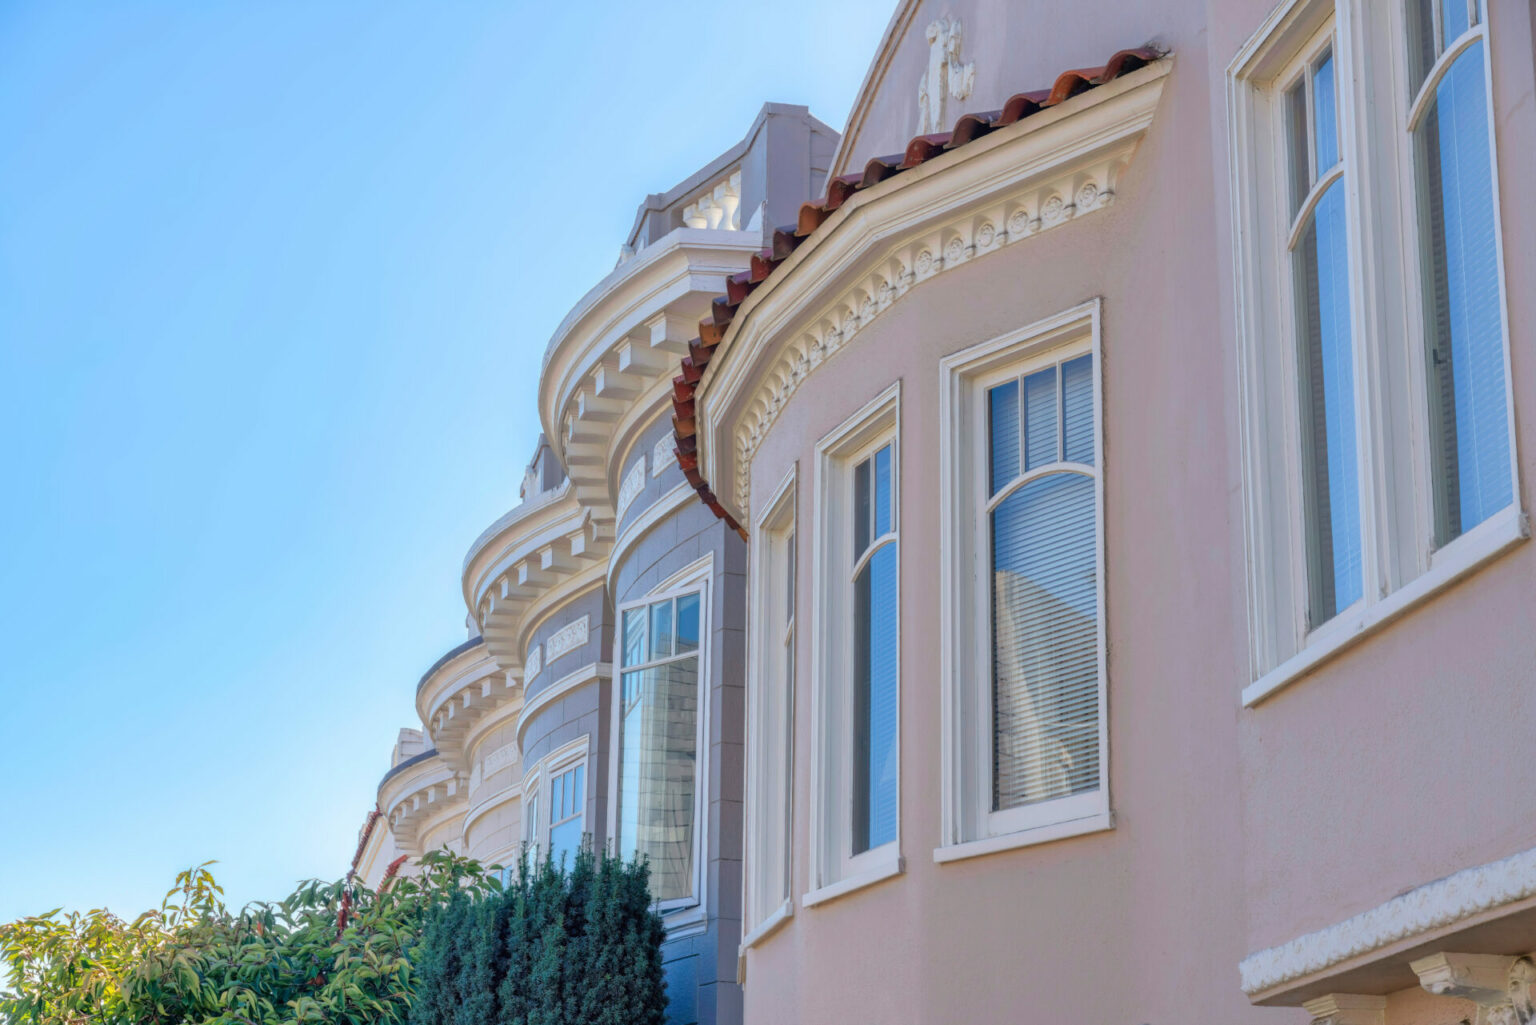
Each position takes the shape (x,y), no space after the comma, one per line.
(1395,764)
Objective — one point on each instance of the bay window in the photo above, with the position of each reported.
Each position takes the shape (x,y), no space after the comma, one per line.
(855,820)
(658,740)
(1378,456)
(1025,735)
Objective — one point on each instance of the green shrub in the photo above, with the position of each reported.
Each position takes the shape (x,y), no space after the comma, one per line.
(554,947)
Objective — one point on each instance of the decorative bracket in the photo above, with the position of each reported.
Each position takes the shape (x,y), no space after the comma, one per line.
(1347,1009)
(1504,988)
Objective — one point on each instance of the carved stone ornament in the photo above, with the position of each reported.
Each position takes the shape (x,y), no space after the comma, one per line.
(532,664)
(945,77)
(629,488)
(1502,987)
(567,638)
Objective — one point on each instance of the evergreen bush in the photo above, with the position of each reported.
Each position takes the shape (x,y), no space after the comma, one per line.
(553,947)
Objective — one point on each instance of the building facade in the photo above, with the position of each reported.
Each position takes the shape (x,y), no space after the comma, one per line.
(1057,550)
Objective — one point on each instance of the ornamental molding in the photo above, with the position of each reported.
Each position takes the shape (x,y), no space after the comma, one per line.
(1019,182)
(945,77)
(532,664)
(661,455)
(629,489)
(499,759)
(1429,907)
(568,638)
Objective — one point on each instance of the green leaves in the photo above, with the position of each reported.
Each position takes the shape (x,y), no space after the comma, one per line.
(549,948)
(193,962)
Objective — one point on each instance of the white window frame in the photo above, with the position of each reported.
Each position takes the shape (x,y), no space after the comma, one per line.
(682,913)
(535,825)
(834,870)
(968,825)
(1400,565)
(771,617)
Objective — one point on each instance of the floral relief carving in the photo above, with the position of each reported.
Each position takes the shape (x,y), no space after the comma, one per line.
(569,637)
(629,488)
(532,664)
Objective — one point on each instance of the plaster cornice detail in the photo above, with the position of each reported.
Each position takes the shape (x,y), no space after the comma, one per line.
(1019,182)
(1425,908)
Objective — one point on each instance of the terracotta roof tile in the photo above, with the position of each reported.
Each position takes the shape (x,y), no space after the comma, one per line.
(814,213)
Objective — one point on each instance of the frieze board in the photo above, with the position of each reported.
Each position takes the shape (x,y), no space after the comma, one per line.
(629,489)
(533,663)
(569,637)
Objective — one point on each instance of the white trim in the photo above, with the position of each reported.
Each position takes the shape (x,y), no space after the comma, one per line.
(1467,554)
(833,868)
(888,864)
(768,926)
(770,699)
(589,673)
(1433,906)
(511,792)
(967,825)
(1098,822)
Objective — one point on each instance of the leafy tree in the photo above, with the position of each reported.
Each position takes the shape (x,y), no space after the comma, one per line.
(332,952)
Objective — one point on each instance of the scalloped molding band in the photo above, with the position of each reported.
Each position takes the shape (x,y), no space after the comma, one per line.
(1431,906)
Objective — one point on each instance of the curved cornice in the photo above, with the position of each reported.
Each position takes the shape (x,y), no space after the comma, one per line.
(445,658)
(552,601)
(417,791)
(459,691)
(1012,184)
(511,792)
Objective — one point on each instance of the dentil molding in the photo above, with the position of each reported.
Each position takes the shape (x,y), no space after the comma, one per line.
(1048,170)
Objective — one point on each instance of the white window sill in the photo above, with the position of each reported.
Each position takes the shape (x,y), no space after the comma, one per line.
(1025,838)
(682,919)
(768,926)
(895,864)
(1468,553)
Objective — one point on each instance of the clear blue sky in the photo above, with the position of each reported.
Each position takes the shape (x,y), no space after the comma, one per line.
(275,282)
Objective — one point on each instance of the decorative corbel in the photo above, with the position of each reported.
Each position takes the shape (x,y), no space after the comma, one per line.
(1347,1009)
(1503,988)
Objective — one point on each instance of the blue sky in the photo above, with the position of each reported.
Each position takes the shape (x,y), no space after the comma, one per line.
(275,282)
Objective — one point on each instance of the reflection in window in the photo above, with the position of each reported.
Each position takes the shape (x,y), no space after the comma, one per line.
(1464,335)
(875,652)
(567,808)
(1320,258)
(658,741)
(1045,675)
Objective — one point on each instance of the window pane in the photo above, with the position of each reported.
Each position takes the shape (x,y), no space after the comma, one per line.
(1040,420)
(1003,432)
(557,799)
(861,509)
(1453,15)
(578,789)
(1421,42)
(1045,696)
(1330,469)
(1296,144)
(1469,415)
(874,702)
(688,623)
(1077,410)
(657,755)
(789,581)
(883,491)
(634,636)
(661,629)
(1325,116)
